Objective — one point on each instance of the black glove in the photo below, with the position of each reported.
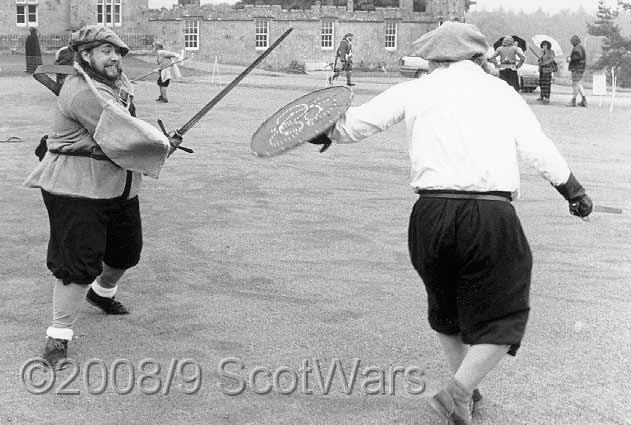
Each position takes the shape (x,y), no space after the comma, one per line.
(42,148)
(580,204)
(582,207)
(321,139)
(175,140)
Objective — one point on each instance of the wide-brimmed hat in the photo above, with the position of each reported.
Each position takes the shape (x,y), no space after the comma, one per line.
(452,41)
(91,36)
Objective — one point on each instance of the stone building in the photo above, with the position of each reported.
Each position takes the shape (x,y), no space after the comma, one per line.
(59,16)
(54,19)
(238,36)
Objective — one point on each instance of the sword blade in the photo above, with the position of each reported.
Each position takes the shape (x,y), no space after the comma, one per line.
(158,70)
(230,86)
(608,210)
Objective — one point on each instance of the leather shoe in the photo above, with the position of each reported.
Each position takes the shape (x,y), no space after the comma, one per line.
(108,305)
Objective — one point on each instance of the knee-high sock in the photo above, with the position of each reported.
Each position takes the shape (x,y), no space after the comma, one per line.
(67,302)
(103,291)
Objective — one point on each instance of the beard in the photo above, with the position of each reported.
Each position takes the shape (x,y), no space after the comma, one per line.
(98,76)
(109,72)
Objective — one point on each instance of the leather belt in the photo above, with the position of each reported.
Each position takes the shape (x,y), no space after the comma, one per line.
(98,157)
(481,196)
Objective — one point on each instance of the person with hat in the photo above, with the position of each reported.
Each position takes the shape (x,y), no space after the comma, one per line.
(511,58)
(345,55)
(89,177)
(576,66)
(464,237)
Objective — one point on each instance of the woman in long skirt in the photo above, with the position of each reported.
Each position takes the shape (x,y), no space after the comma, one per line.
(546,68)
(33,53)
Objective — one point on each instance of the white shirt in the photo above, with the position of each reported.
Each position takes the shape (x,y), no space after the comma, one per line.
(466,129)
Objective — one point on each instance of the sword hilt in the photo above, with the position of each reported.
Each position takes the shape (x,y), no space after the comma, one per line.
(175,134)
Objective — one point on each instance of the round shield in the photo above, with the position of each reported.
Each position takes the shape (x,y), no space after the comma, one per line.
(301,120)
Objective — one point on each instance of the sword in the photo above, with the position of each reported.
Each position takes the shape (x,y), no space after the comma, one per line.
(158,69)
(603,209)
(608,210)
(333,76)
(198,116)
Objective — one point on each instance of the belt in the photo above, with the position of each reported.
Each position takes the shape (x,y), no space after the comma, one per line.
(96,156)
(456,194)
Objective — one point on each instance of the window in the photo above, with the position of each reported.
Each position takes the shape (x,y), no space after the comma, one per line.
(108,12)
(391,36)
(26,13)
(262,34)
(327,35)
(191,35)
(419,6)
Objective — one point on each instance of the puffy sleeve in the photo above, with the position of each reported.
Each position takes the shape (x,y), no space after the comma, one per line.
(376,115)
(536,149)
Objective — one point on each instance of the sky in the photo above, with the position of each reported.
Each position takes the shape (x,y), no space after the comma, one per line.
(532,5)
(525,5)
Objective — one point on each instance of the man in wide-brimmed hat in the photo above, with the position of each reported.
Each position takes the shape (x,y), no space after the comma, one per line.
(345,55)
(90,176)
(465,239)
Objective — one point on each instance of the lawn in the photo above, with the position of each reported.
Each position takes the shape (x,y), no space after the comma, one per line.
(281,264)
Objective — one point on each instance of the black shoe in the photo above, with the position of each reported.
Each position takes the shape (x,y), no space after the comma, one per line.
(583,102)
(164,100)
(159,99)
(350,84)
(108,305)
(56,352)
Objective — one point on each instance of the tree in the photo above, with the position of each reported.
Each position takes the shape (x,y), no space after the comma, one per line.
(616,49)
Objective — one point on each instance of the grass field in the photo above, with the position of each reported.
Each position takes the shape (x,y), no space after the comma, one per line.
(304,256)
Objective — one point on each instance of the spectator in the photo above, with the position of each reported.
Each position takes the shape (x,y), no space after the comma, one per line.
(547,66)
(33,52)
(511,59)
(577,62)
